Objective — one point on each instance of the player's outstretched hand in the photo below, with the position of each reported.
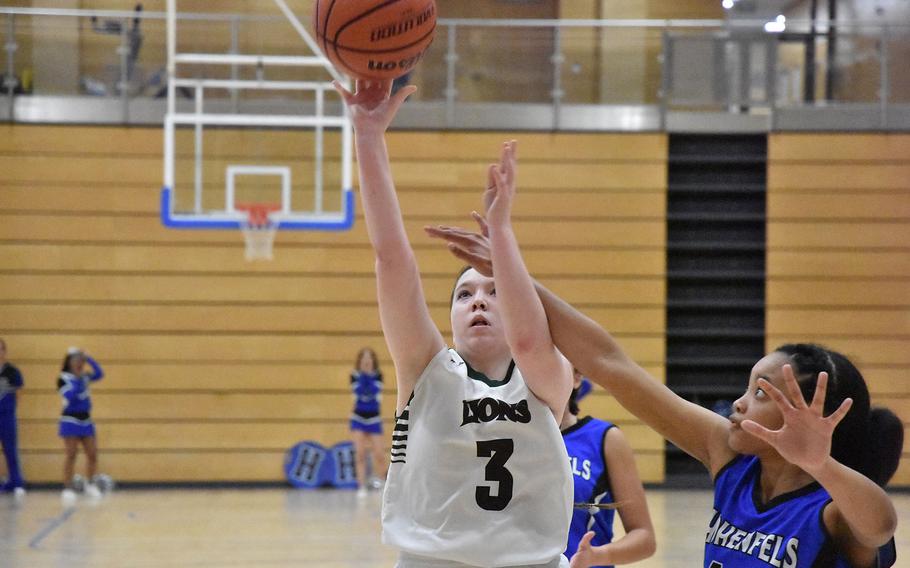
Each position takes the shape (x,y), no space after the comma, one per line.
(805,438)
(584,556)
(501,186)
(371,106)
(472,248)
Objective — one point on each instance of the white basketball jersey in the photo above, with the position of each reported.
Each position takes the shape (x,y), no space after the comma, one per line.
(479,472)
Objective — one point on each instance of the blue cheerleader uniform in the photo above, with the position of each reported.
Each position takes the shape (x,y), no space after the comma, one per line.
(367,388)
(76,419)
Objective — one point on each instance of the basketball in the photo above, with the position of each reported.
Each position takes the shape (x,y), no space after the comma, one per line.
(374,39)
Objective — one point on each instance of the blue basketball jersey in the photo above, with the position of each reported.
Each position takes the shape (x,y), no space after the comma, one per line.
(786,532)
(585,442)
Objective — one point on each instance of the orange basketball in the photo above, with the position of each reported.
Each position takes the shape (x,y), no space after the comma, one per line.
(374,39)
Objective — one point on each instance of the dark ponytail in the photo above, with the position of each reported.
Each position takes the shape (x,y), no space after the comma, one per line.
(885,443)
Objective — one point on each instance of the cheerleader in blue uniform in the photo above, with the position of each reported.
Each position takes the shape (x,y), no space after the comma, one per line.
(76,425)
(605,475)
(366,422)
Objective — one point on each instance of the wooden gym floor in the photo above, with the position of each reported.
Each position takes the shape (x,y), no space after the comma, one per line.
(272,528)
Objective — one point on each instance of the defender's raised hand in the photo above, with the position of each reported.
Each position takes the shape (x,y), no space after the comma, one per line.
(805,438)
(472,248)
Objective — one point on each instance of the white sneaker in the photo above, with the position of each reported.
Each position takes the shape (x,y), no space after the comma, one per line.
(376,483)
(361,492)
(92,491)
(19,493)
(68,497)
(78,483)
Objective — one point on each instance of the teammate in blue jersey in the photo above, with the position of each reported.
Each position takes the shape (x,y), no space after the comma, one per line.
(604,472)
(798,467)
(10,382)
(366,422)
(76,426)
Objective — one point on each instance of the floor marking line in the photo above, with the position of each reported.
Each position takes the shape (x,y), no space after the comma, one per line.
(51,527)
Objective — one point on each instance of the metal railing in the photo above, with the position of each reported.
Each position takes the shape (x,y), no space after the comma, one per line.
(557,74)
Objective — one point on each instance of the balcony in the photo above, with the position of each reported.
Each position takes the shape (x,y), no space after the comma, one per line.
(110,67)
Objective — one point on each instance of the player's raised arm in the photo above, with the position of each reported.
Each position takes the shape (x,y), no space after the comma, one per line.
(696,430)
(594,352)
(410,333)
(547,373)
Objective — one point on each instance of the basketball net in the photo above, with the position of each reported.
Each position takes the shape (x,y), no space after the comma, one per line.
(258,230)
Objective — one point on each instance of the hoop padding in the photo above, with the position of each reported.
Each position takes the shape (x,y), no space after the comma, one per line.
(337,221)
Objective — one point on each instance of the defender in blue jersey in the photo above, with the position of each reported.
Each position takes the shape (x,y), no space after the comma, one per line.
(604,474)
(76,426)
(747,532)
(366,421)
(798,476)
(820,436)
(10,382)
(793,528)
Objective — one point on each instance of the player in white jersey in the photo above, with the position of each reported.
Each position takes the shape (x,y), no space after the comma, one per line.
(479,474)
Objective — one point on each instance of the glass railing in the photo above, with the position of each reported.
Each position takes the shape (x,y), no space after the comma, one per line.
(610,74)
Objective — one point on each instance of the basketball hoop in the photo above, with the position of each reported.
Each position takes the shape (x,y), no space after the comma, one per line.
(258,229)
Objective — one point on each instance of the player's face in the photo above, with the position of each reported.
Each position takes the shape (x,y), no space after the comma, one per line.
(757,405)
(474,315)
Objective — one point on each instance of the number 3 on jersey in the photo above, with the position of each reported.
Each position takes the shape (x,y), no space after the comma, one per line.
(499,452)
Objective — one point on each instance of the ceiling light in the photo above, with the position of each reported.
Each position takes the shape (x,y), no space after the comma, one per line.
(777,26)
